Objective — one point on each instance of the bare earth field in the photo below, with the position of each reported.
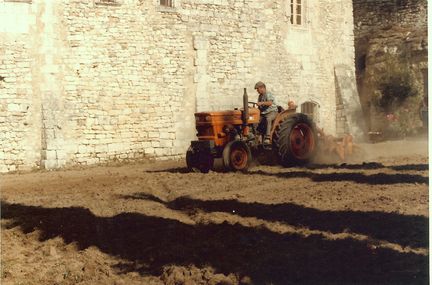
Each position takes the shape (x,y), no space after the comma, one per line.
(364,222)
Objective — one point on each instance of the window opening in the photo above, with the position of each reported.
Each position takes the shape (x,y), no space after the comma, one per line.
(167,3)
(296,12)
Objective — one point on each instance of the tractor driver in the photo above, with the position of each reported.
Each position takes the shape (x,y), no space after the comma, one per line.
(267,105)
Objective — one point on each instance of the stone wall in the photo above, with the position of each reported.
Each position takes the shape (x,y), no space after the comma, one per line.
(86,82)
(20,121)
(386,28)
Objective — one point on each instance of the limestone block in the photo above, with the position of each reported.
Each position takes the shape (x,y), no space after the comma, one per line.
(166,135)
(200,43)
(161,151)
(61,163)
(56,143)
(61,155)
(10,79)
(14,107)
(49,154)
(166,143)
(82,149)
(153,134)
(146,144)
(101,148)
(93,160)
(202,54)
(49,164)
(49,134)
(12,167)
(116,147)
(3,168)
(102,155)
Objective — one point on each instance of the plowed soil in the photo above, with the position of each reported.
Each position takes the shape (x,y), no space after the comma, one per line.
(362,222)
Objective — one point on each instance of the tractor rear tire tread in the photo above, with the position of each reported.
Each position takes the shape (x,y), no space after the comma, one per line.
(281,139)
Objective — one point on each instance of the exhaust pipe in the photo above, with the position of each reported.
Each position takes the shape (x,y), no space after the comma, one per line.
(245,114)
(245,108)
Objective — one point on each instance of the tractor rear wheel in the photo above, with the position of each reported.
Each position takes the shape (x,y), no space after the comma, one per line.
(236,156)
(295,140)
(199,162)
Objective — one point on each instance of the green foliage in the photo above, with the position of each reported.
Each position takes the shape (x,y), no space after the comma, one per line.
(397,98)
(395,85)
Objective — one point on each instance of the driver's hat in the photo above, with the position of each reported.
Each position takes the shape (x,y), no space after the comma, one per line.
(259,84)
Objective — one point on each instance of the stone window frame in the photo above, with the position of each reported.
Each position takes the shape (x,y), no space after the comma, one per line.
(296,16)
(108,2)
(167,3)
(19,1)
(304,14)
(175,4)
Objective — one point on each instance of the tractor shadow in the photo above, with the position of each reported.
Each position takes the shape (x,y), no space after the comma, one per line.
(148,244)
(357,177)
(372,179)
(405,230)
(371,166)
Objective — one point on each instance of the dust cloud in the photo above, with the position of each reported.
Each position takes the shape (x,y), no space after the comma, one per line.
(372,152)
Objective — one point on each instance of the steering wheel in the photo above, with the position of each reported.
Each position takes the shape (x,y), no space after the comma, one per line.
(254,104)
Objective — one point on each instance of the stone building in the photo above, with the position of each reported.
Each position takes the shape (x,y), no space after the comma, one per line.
(389,27)
(89,81)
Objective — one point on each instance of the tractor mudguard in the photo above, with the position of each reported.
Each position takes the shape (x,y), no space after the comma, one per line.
(202,146)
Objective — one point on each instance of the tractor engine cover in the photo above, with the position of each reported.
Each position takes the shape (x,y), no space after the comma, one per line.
(212,125)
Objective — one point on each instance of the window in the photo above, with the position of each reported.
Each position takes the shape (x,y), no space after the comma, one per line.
(19,1)
(296,12)
(425,82)
(108,2)
(310,109)
(167,3)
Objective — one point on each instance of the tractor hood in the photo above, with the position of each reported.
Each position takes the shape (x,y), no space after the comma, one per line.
(232,117)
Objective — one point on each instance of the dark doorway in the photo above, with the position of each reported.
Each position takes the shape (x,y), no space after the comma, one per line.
(424,109)
(425,82)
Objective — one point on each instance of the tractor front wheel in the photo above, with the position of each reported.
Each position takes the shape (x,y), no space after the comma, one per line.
(236,156)
(199,162)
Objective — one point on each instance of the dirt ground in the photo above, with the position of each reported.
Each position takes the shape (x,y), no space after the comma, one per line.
(363,222)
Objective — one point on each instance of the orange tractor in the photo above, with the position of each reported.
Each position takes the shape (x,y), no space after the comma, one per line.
(235,134)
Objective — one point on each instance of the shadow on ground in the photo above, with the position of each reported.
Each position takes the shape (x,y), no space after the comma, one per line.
(404,230)
(357,177)
(372,165)
(372,179)
(265,256)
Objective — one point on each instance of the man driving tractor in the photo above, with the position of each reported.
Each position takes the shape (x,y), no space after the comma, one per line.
(268,108)
(233,135)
